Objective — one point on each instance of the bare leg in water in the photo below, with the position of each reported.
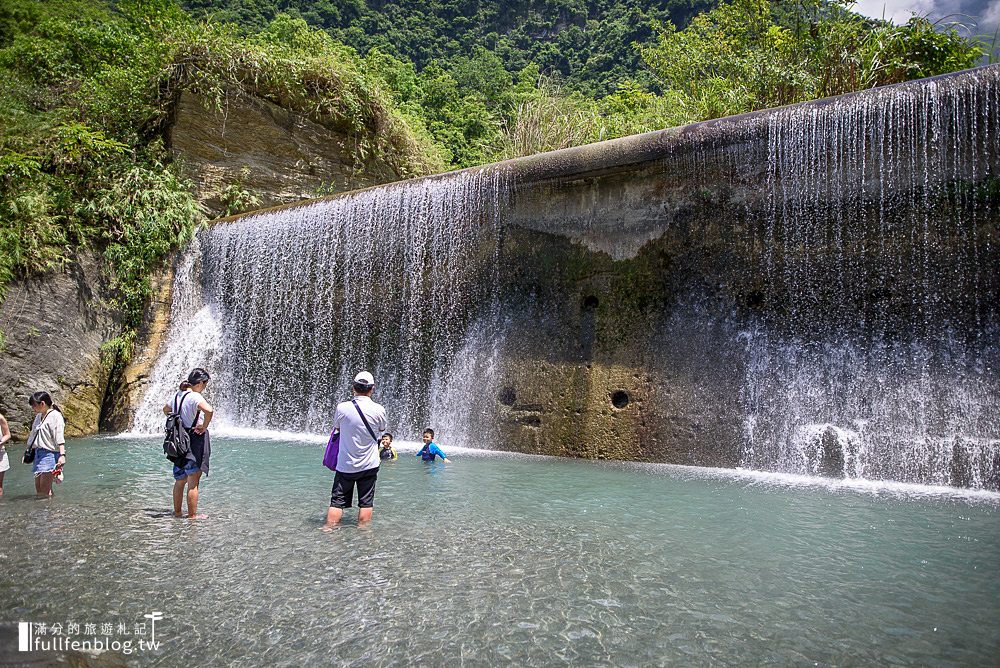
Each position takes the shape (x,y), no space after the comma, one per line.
(179,496)
(192,481)
(192,496)
(43,484)
(333,516)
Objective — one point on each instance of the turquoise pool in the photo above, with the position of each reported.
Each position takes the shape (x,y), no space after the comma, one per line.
(499,560)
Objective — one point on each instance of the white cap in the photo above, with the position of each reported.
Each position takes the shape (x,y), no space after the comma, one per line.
(364,378)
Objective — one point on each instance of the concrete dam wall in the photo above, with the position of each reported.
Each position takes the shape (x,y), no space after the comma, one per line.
(811,289)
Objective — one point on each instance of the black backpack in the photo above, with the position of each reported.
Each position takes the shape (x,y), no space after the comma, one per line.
(177,440)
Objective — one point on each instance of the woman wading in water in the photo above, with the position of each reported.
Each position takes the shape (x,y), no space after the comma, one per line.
(4,461)
(191,406)
(48,441)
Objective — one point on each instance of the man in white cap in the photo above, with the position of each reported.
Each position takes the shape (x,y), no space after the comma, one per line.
(360,422)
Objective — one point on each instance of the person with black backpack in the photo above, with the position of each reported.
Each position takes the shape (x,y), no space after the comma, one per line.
(186,443)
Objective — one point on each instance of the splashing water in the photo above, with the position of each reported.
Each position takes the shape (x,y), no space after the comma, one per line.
(877,246)
(194,340)
(296,302)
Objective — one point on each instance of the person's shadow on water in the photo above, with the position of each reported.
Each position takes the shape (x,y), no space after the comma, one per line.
(158,512)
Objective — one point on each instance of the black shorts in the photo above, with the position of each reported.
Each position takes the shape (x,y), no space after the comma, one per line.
(343,488)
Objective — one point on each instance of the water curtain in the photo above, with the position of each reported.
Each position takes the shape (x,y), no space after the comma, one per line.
(299,300)
(852,240)
(875,249)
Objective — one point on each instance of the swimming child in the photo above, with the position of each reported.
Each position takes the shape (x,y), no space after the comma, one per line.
(385,449)
(431,449)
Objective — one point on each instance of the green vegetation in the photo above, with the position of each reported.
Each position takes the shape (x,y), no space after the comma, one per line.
(87,88)
(80,164)
(586,43)
(750,54)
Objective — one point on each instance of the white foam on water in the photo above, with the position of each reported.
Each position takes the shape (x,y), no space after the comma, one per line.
(767,478)
(859,485)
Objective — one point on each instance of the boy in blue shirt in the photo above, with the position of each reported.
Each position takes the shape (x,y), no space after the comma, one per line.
(431,449)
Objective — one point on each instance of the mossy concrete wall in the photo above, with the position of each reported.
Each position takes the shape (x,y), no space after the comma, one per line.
(612,359)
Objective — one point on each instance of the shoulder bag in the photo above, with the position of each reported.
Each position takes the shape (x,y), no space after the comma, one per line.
(332,451)
(29,452)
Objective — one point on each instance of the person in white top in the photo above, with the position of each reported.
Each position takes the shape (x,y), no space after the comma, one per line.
(192,405)
(48,440)
(4,461)
(360,421)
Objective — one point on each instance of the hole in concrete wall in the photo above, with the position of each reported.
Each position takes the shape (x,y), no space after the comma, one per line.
(879,295)
(755,298)
(508,396)
(619,398)
(590,302)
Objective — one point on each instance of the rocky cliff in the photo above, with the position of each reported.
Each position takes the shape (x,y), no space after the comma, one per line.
(276,156)
(54,326)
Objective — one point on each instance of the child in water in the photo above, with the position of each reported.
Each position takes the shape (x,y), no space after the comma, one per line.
(385,449)
(431,449)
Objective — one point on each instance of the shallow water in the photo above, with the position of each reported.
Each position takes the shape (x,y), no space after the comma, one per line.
(501,559)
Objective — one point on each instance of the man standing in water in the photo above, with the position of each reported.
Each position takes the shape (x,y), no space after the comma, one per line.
(359,421)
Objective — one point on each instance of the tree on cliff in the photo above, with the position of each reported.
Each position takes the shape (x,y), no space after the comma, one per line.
(750,54)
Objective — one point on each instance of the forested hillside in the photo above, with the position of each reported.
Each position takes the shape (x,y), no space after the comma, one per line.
(589,44)
(86,94)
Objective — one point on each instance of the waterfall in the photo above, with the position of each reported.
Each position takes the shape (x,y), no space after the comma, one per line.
(919,411)
(193,340)
(389,279)
(809,289)
(875,247)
